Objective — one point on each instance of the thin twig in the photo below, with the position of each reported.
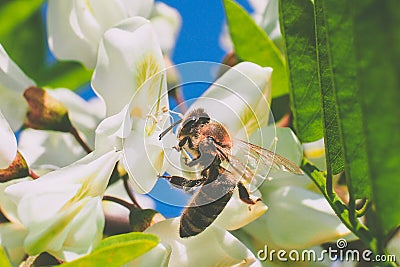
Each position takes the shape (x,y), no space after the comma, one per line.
(122,202)
(130,192)
(364,208)
(79,139)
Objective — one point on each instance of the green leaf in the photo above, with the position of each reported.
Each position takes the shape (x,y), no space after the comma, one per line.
(337,205)
(4,262)
(66,74)
(117,250)
(15,12)
(22,34)
(333,141)
(251,43)
(377,39)
(298,31)
(339,24)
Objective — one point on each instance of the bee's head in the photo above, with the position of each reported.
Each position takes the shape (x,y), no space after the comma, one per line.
(193,120)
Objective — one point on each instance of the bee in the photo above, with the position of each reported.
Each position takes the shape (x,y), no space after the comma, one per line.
(210,147)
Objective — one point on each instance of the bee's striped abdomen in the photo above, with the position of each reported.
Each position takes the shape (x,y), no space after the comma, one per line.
(206,205)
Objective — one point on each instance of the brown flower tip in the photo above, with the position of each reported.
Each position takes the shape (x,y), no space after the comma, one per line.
(45,112)
(230,59)
(17,169)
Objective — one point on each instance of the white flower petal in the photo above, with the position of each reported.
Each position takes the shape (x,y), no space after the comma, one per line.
(49,150)
(12,240)
(237,214)
(64,32)
(143,160)
(129,54)
(315,152)
(51,234)
(393,246)
(112,130)
(89,175)
(267,16)
(8,143)
(158,256)
(8,206)
(281,140)
(138,7)
(85,233)
(214,247)
(12,84)
(166,22)
(239,99)
(37,208)
(291,219)
(290,200)
(80,24)
(92,171)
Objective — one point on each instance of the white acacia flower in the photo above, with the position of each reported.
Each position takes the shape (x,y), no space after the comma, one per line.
(80,24)
(61,212)
(8,143)
(130,77)
(13,83)
(315,152)
(166,22)
(393,246)
(299,216)
(266,14)
(214,247)
(49,150)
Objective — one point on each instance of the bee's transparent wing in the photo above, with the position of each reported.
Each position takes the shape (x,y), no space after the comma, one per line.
(253,163)
(266,157)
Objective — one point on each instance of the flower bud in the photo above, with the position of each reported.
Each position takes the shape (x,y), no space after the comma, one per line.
(140,219)
(45,112)
(230,59)
(17,169)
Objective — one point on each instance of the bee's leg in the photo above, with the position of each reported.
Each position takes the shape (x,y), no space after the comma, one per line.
(183,182)
(245,196)
(208,152)
(183,141)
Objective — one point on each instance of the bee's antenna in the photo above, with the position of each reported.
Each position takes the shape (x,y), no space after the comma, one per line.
(169,129)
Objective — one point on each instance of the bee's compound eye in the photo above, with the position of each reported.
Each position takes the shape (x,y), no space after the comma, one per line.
(189,122)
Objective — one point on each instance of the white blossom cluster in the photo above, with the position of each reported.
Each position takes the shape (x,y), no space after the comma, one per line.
(125,43)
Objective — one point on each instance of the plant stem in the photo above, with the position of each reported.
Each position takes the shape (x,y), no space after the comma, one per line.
(122,202)
(341,210)
(365,206)
(130,192)
(79,139)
